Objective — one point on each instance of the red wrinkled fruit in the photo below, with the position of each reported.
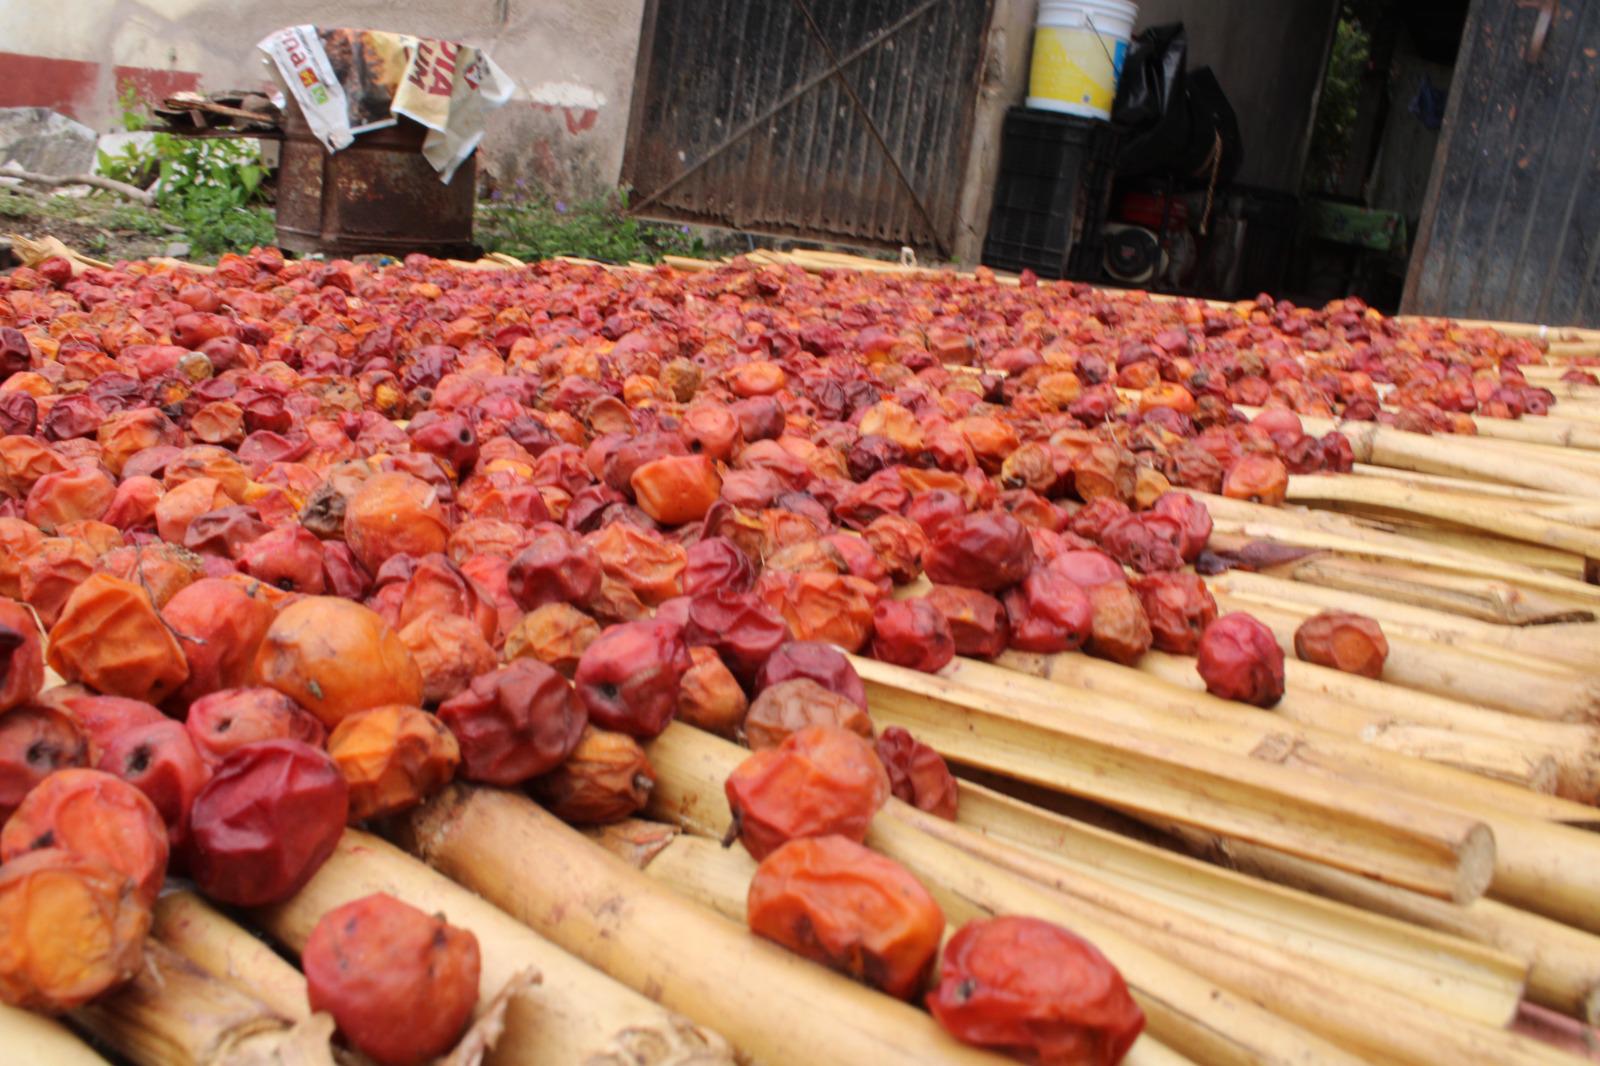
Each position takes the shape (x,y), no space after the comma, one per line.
(831,900)
(228,719)
(1048,613)
(911,633)
(1240,659)
(35,742)
(628,678)
(917,774)
(21,655)
(821,780)
(514,723)
(1179,607)
(97,816)
(1193,518)
(1032,990)
(555,567)
(977,620)
(219,625)
(266,821)
(822,663)
(1343,641)
(987,550)
(375,960)
(739,626)
(160,760)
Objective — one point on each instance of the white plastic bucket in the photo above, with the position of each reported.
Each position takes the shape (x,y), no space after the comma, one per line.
(1078,48)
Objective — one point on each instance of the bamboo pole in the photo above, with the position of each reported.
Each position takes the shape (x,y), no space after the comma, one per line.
(1487,489)
(173,1013)
(1353,706)
(1565,428)
(1476,673)
(1488,601)
(719,878)
(1581,651)
(576,1014)
(189,926)
(1448,974)
(776,1007)
(1564,971)
(1452,508)
(1185,1012)
(1349,825)
(28,1037)
(1359,755)
(1458,456)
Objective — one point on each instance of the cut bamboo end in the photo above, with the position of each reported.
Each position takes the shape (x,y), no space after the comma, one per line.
(1347,825)
(576,1013)
(1186,1012)
(1564,963)
(191,927)
(766,1000)
(27,1037)
(174,1013)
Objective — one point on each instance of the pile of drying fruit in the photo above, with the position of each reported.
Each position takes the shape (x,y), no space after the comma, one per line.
(307,541)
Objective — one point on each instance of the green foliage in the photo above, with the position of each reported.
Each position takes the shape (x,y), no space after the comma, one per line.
(1340,105)
(540,227)
(212,189)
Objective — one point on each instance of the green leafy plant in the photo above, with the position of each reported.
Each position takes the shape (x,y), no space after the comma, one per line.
(1339,107)
(537,226)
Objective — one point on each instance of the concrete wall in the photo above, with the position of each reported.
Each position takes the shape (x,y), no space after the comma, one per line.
(573,62)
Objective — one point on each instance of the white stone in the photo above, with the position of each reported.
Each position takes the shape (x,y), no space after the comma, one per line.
(45,141)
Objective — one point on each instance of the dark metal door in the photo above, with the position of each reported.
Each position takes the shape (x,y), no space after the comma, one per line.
(843,120)
(1510,228)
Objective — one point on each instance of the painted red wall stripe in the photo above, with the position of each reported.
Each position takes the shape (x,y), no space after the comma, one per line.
(70,85)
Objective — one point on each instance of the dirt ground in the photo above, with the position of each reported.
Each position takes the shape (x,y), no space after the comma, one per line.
(104,227)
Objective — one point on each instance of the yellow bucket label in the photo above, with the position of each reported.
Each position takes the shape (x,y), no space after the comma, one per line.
(1075,66)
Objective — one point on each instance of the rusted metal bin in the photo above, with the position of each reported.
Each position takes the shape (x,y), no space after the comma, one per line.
(377,195)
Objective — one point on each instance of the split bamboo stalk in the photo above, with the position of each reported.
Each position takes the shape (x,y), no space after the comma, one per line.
(190,926)
(1582,651)
(1349,825)
(1447,973)
(1186,1012)
(1540,865)
(28,1037)
(1476,673)
(576,1014)
(1425,560)
(775,1006)
(1451,508)
(1461,457)
(173,1013)
(1488,601)
(1487,489)
(1119,694)
(1564,971)
(719,878)
(1495,551)
(1353,706)
(1564,428)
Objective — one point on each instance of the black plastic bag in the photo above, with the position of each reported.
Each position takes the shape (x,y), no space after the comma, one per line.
(1173,121)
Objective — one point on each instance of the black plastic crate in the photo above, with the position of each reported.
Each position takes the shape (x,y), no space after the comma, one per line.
(1051,195)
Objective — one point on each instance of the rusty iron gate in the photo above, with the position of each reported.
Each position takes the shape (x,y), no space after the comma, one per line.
(842,120)
(1510,228)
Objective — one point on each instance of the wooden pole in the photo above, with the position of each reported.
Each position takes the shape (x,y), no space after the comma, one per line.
(575,1014)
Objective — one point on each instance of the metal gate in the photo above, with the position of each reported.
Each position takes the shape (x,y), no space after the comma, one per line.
(844,120)
(1510,228)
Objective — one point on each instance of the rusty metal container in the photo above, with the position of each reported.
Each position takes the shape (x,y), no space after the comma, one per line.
(377,195)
